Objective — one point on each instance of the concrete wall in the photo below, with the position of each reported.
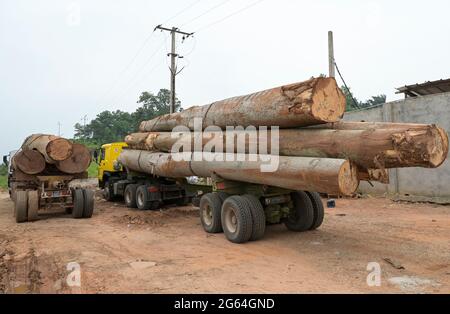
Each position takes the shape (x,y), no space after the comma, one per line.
(413,183)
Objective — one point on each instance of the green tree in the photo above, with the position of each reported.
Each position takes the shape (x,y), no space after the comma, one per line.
(351,100)
(107,127)
(153,106)
(113,126)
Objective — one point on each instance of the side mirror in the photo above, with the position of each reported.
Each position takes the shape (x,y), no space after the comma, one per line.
(5,160)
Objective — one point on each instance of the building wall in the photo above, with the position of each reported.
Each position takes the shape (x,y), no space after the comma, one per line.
(413,183)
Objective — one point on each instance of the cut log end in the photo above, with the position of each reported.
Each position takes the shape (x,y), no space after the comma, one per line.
(439,149)
(79,161)
(59,149)
(30,162)
(328,102)
(348,178)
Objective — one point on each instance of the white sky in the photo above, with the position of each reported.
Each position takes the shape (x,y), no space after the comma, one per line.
(53,68)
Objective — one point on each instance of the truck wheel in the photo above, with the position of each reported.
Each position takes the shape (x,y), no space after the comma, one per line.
(88,198)
(258,217)
(319,211)
(108,192)
(142,202)
(237,219)
(21,206)
(301,217)
(78,204)
(130,195)
(210,213)
(33,205)
(223,196)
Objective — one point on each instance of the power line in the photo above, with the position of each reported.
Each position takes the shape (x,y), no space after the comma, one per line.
(174,31)
(144,44)
(206,12)
(348,89)
(230,15)
(134,78)
(181,12)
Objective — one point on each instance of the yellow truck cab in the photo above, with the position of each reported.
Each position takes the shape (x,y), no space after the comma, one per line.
(108,161)
(139,190)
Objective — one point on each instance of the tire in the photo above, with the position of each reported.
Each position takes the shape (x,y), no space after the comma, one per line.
(210,213)
(88,210)
(237,219)
(301,217)
(108,192)
(258,217)
(142,202)
(78,204)
(319,210)
(21,206)
(33,205)
(223,196)
(130,195)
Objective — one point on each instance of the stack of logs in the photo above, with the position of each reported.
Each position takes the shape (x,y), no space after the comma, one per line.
(317,151)
(42,154)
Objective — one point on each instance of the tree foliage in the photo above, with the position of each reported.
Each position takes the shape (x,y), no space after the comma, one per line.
(113,126)
(354,104)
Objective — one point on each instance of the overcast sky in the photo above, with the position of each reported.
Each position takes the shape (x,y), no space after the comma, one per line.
(63,60)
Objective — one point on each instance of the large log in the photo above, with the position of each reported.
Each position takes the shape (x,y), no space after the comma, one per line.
(370,148)
(53,148)
(332,176)
(78,162)
(315,101)
(30,162)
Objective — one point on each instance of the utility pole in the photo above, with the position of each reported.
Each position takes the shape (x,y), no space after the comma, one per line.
(332,69)
(173,66)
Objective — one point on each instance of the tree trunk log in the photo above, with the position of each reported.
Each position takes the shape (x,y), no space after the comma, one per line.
(53,148)
(30,162)
(396,147)
(79,161)
(332,176)
(315,101)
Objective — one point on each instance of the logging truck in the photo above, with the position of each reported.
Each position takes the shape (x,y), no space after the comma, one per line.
(48,192)
(139,190)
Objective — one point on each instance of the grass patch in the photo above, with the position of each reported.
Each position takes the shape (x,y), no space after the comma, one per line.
(93,170)
(3,182)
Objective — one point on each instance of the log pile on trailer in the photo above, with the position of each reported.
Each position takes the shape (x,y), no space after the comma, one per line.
(317,152)
(44,175)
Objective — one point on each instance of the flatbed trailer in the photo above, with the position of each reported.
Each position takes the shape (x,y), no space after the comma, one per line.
(243,210)
(35,196)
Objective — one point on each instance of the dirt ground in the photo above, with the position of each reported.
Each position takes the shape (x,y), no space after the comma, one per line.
(121,251)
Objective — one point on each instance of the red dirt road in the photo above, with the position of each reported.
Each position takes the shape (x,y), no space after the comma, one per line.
(121,250)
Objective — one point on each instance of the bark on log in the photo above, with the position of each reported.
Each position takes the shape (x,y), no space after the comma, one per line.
(332,176)
(53,148)
(315,101)
(351,125)
(30,162)
(395,147)
(77,163)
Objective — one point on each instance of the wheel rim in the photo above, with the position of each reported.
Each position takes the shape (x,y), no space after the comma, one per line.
(231,220)
(140,198)
(127,197)
(207,215)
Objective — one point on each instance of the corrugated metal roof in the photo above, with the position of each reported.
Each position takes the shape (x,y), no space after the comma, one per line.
(427,88)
